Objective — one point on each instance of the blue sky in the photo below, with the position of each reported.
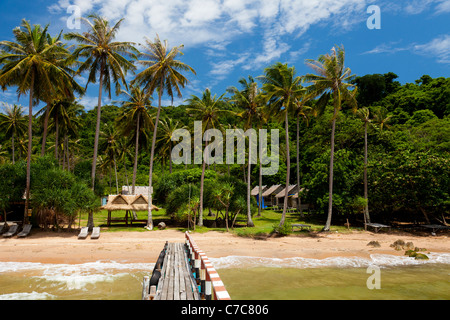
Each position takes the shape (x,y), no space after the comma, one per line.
(225,40)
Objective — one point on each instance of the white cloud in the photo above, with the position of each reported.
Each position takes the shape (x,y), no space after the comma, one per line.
(438,47)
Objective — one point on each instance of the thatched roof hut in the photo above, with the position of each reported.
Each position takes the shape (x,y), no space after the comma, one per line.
(255,190)
(128,202)
(272,190)
(293,189)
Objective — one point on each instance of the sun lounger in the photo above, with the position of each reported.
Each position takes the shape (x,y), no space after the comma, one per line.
(435,227)
(95,233)
(3,228)
(12,231)
(25,231)
(83,233)
(377,226)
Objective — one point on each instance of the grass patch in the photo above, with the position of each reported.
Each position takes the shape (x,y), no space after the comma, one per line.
(264,225)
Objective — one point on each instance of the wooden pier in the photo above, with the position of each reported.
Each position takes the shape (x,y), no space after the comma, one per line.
(185,274)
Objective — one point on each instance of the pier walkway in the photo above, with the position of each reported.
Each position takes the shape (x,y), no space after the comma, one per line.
(183,272)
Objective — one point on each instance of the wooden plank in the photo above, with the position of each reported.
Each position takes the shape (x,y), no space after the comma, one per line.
(176,280)
(161,279)
(182,270)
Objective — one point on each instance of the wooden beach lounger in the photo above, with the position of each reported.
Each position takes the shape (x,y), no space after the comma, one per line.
(83,233)
(25,231)
(12,231)
(377,226)
(95,233)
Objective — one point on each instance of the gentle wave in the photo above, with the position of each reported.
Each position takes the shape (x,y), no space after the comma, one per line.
(27,296)
(381,260)
(98,266)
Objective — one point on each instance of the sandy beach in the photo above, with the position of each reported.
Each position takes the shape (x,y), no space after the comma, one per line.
(144,247)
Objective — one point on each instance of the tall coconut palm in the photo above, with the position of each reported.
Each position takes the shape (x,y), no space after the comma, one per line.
(162,73)
(109,145)
(249,99)
(207,109)
(13,124)
(301,110)
(105,60)
(282,87)
(136,119)
(332,79)
(66,89)
(364,115)
(164,139)
(30,65)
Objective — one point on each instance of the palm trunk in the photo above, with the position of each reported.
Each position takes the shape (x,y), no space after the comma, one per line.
(299,201)
(260,190)
(330,186)
(90,224)
(202,182)
(115,172)
(44,134)
(12,142)
(136,153)
(366,193)
(155,131)
(56,137)
(288,167)
(30,141)
(249,210)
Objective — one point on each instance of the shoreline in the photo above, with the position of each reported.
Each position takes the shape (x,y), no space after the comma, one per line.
(144,247)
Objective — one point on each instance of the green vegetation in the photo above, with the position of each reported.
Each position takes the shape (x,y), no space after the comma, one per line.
(367,149)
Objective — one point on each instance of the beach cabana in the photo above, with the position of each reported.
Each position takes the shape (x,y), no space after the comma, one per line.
(126,203)
(255,193)
(270,193)
(292,190)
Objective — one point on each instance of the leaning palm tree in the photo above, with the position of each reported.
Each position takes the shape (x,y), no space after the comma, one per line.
(162,73)
(29,64)
(249,99)
(281,88)
(136,119)
(207,109)
(105,60)
(364,115)
(13,124)
(332,79)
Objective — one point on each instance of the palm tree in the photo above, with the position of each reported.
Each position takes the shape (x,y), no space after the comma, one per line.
(301,110)
(135,119)
(251,101)
(13,124)
(332,79)
(109,144)
(65,89)
(105,59)
(164,139)
(364,115)
(29,64)
(281,88)
(381,118)
(207,109)
(162,73)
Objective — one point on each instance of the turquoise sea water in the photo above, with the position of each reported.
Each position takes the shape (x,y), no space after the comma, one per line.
(246,278)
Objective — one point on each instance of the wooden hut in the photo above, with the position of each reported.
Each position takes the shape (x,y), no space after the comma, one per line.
(269,194)
(292,190)
(255,193)
(126,203)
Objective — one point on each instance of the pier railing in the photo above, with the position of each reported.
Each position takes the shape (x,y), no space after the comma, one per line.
(211,286)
